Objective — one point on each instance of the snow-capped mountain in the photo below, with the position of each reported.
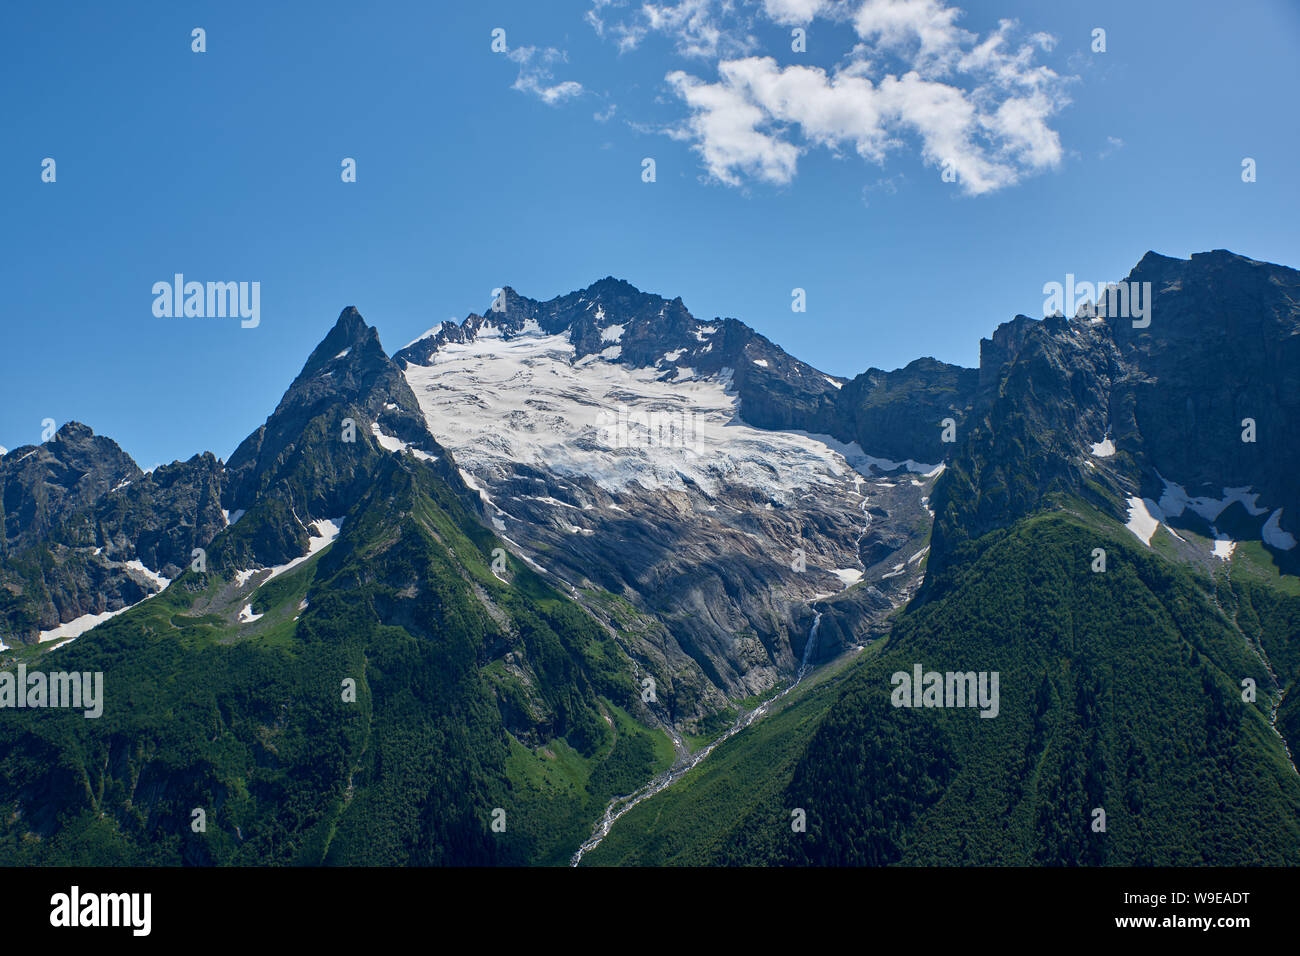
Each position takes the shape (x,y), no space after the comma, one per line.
(609,435)
(699,472)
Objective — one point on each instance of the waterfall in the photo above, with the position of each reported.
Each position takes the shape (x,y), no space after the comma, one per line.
(809,647)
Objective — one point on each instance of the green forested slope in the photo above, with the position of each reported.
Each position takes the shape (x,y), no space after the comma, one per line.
(468,689)
(1118,690)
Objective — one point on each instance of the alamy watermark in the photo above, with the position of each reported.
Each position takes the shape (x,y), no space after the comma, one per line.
(212,300)
(951,689)
(652,429)
(76,908)
(78,690)
(1114,300)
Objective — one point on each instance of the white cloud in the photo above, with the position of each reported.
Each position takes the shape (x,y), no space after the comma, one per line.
(535,75)
(925,28)
(978,105)
(790,13)
(723,126)
(627,36)
(703,29)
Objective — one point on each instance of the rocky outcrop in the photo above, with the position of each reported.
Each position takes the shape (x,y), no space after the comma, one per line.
(1164,402)
(86,531)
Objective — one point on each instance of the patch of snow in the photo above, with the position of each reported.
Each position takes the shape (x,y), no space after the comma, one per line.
(241,577)
(325,533)
(1140,520)
(673,356)
(78,626)
(246,616)
(521,553)
(849,576)
(761,363)
(552,501)
(705,330)
(344,353)
(121,484)
(429,334)
(1274,535)
(70,630)
(392,443)
(232,517)
(867,465)
(153,576)
(833,382)
(612,333)
(1223,547)
(1104,448)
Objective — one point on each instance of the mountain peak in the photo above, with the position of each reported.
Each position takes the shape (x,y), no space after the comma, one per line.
(349,336)
(74,431)
(611,285)
(350,324)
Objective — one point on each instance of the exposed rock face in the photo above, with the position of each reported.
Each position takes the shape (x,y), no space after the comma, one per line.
(77,511)
(46,485)
(1099,408)
(348,405)
(900,414)
(1223,346)
(161,517)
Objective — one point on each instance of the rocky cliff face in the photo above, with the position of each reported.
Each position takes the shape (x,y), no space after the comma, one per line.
(1223,346)
(901,414)
(1142,420)
(87,532)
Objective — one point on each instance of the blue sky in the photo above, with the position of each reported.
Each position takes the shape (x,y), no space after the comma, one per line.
(775,170)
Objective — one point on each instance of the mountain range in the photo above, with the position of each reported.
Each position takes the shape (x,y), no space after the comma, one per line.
(594,557)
